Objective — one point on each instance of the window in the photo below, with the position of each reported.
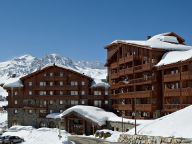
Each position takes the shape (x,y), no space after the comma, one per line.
(15,93)
(30,93)
(106,102)
(30,83)
(106,92)
(51,83)
(51,74)
(61,92)
(44,74)
(74,92)
(51,102)
(60,110)
(42,92)
(30,111)
(61,102)
(74,102)
(61,74)
(15,111)
(42,83)
(97,103)
(42,111)
(74,83)
(82,92)
(82,102)
(97,92)
(61,83)
(51,92)
(82,83)
(44,102)
(15,102)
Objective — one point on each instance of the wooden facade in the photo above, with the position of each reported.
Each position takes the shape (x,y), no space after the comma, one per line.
(134,81)
(177,86)
(52,90)
(138,86)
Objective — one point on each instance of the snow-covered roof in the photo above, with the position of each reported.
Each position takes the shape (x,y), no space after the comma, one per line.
(177,124)
(53,115)
(99,83)
(175,56)
(160,41)
(13,83)
(95,114)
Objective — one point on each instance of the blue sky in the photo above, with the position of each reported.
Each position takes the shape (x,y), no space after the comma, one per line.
(80,29)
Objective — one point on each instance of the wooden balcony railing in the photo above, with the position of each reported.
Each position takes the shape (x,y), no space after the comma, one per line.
(171,77)
(172,92)
(143,67)
(114,65)
(143,94)
(114,75)
(121,72)
(128,58)
(171,107)
(142,80)
(186,75)
(187,91)
(123,107)
(128,70)
(144,107)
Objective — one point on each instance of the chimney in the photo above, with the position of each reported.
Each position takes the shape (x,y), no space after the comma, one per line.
(148,37)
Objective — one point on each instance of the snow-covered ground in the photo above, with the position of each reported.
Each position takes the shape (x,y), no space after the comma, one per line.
(39,136)
(177,124)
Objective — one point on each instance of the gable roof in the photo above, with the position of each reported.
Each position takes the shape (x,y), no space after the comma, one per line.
(165,41)
(48,66)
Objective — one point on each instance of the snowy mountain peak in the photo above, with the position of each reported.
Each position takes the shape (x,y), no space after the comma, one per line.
(27,64)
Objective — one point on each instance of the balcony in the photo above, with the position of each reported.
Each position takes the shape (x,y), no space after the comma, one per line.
(172,92)
(121,60)
(129,71)
(171,77)
(186,75)
(143,67)
(123,107)
(145,80)
(171,107)
(144,107)
(187,91)
(128,58)
(114,75)
(143,94)
(121,72)
(114,65)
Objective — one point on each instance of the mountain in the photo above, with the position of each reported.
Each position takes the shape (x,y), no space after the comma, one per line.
(26,64)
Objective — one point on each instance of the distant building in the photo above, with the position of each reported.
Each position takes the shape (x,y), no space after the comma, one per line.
(52,89)
(138,85)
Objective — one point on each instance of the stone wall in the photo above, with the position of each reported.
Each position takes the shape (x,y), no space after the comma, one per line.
(119,126)
(141,139)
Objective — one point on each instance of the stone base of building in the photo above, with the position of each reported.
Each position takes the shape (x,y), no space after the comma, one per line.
(142,139)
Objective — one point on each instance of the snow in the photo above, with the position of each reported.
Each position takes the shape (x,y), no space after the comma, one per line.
(13,82)
(177,124)
(53,115)
(3,92)
(160,41)
(3,103)
(101,117)
(175,56)
(99,83)
(3,121)
(38,136)
(95,114)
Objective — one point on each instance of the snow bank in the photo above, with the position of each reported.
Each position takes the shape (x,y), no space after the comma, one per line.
(177,124)
(53,115)
(38,136)
(13,82)
(160,41)
(175,56)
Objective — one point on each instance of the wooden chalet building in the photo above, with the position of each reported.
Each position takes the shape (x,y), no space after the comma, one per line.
(52,89)
(135,82)
(176,69)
